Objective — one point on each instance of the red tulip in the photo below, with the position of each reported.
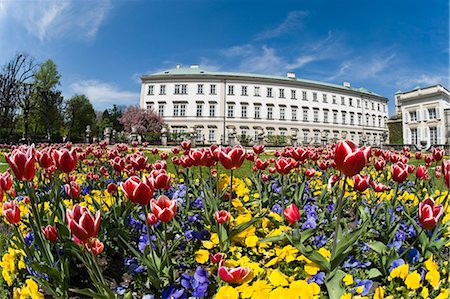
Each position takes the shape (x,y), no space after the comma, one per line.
(11,211)
(152,219)
(216,258)
(231,158)
(22,163)
(5,181)
(111,188)
(284,165)
(438,154)
(72,189)
(410,168)
(82,223)
(310,172)
(137,191)
(175,150)
(185,145)
(265,177)
(185,161)
(164,155)
(429,213)
(379,164)
(45,158)
(323,165)
(65,161)
(378,187)
(118,164)
(222,216)
(292,214)
(233,275)
(418,155)
(198,157)
(164,208)
(258,149)
(161,179)
(361,182)
(261,165)
(299,153)
(95,246)
(349,159)
(399,172)
(421,172)
(446,172)
(139,162)
(51,233)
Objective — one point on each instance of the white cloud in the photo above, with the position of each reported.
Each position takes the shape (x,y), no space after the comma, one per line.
(292,20)
(49,19)
(104,95)
(364,67)
(410,81)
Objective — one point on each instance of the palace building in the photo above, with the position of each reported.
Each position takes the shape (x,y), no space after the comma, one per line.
(226,107)
(425,115)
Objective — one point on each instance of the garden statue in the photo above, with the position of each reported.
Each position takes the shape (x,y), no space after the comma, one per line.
(164,136)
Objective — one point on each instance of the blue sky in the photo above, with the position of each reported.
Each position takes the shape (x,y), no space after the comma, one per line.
(102,47)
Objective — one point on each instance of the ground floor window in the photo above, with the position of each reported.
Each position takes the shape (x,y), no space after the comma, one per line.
(212,135)
(433,135)
(414,136)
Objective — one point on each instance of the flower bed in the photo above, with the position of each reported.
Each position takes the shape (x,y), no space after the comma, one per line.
(335,222)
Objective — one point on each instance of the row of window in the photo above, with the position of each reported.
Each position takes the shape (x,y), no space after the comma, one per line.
(183,89)
(434,135)
(306,136)
(430,113)
(180,110)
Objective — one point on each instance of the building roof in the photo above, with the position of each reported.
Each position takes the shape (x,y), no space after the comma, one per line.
(196,71)
(423,88)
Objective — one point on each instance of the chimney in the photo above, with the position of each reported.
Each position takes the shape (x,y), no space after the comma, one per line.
(291,75)
(346,84)
(178,66)
(194,66)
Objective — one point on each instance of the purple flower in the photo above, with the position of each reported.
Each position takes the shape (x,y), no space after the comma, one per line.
(29,238)
(276,208)
(414,255)
(366,284)
(172,292)
(319,278)
(310,223)
(320,241)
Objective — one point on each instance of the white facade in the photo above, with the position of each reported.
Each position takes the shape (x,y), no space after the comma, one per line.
(218,104)
(423,115)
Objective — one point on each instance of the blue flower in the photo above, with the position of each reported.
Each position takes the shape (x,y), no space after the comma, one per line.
(276,208)
(86,190)
(414,255)
(121,289)
(310,223)
(320,241)
(200,282)
(29,238)
(366,284)
(172,292)
(319,278)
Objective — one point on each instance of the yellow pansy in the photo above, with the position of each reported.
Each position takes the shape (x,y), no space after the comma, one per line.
(424,293)
(400,271)
(444,294)
(433,277)
(348,279)
(227,292)
(277,278)
(412,281)
(430,264)
(346,296)
(201,256)
(281,293)
(251,241)
(261,289)
(305,290)
(311,269)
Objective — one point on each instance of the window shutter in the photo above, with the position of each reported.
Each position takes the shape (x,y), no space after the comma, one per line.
(418,114)
(419,134)
(406,117)
(426,114)
(438,113)
(408,136)
(426,135)
(439,137)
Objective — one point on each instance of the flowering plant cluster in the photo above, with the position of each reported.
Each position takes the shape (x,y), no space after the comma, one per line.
(116,221)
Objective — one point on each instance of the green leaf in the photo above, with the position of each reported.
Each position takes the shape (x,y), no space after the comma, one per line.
(277,238)
(378,247)
(334,285)
(374,272)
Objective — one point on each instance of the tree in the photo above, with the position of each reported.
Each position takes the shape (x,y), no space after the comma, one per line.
(47,98)
(143,120)
(79,115)
(15,92)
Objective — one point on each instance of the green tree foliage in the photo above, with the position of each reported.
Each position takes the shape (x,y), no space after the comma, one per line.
(48,100)
(395,130)
(79,114)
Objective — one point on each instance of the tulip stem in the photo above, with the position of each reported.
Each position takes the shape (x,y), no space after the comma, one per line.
(149,243)
(231,191)
(338,216)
